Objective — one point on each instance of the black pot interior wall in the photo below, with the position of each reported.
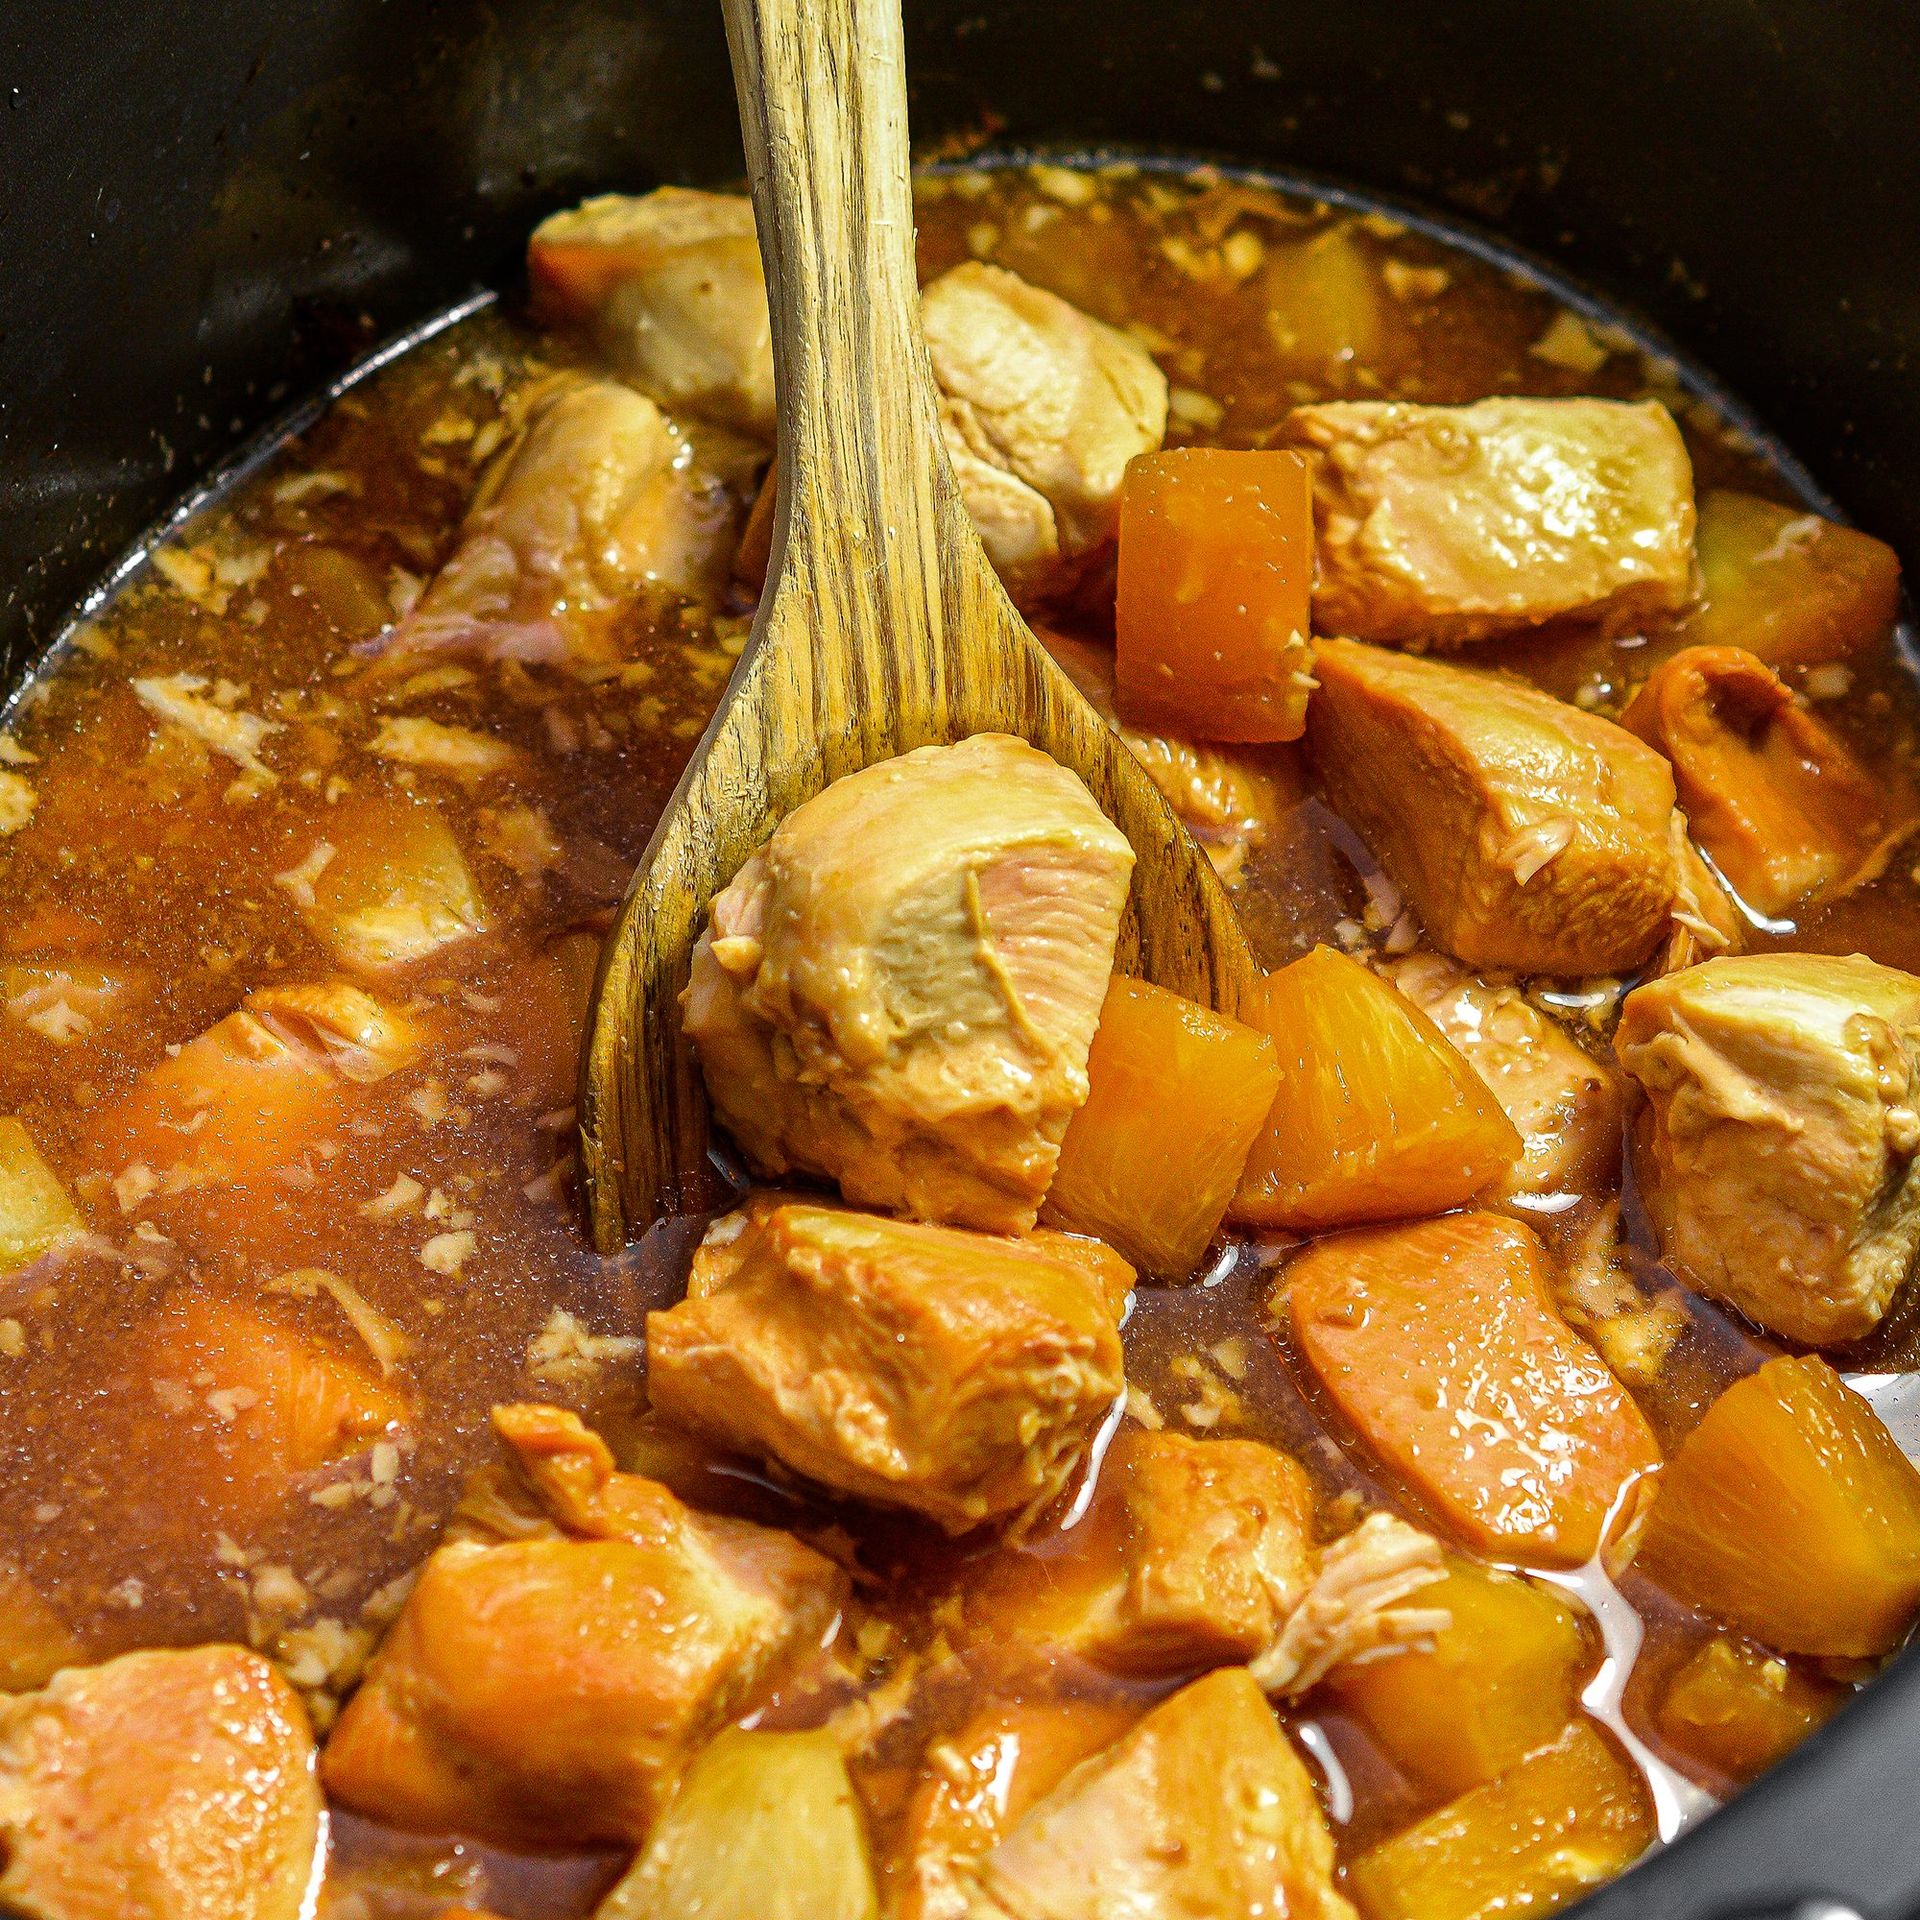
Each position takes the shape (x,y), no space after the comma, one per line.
(208,206)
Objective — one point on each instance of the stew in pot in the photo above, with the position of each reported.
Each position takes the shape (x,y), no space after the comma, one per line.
(1402,1448)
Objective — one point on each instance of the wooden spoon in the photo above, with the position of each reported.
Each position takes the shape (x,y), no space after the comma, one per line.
(882,627)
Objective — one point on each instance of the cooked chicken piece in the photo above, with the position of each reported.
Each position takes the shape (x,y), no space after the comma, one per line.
(549,1691)
(1198,1553)
(1565,1104)
(599,498)
(975,1785)
(243,1407)
(253,1092)
(1705,920)
(952,1373)
(899,990)
(1229,798)
(387,886)
(1203,1809)
(37,1216)
(1530,836)
(175,1785)
(669,286)
(35,1642)
(1777,798)
(1218,1552)
(1042,407)
(1777,1152)
(1438,525)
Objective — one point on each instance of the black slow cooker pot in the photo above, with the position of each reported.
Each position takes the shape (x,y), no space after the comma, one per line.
(208,207)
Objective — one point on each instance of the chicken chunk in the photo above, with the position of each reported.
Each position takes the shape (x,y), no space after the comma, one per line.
(1564,1102)
(174,1785)
(1777,1150)
(951,1373)
(1204,1808)
(1199,1553)
(1042,407)
(1194,1553)
(550,1691)
(975,1785)
(1230,798)
(244,1407)
(1530,836)
(1438,525)
(899,990)
(599,498)
(254,1091)
(669,286)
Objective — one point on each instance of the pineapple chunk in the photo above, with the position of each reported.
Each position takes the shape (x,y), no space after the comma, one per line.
(390,887)
(36,1215)
(1498,1681)
(1740,1709)
(1563,1820)
(764,1828)
(1790,1514)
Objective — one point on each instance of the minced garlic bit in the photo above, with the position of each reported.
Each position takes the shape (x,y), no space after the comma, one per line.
(1068,185)
(459,751)
(299,880)
(1408,282)
(17,802)
(1141,1408)
(383,1338)
(447,1253)
(13,754)
(403,1196)
(57,1022)
(521,838)
(1191,408)
(564,1353)
(13,1338)
(179,700)
(319,484)
(1569,342)
(133,1184)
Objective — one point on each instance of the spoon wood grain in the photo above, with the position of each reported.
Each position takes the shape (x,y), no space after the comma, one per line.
(882,628)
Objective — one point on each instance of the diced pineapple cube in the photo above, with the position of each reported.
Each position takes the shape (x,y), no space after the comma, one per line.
(1740,1709)
(764,1828)
(1498,1682)
(1790,1513)
(35,1213)
(1564,1819)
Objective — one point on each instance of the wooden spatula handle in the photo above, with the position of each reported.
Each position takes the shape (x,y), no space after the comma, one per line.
(823,111)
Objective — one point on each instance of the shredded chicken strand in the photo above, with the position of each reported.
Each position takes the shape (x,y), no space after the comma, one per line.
(1352,1612)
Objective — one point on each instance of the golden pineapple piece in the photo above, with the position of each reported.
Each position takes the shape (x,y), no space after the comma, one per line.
(1562,1820)
(1790,1514)
(1739,1709)
(764,1827)
(1499,1680)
